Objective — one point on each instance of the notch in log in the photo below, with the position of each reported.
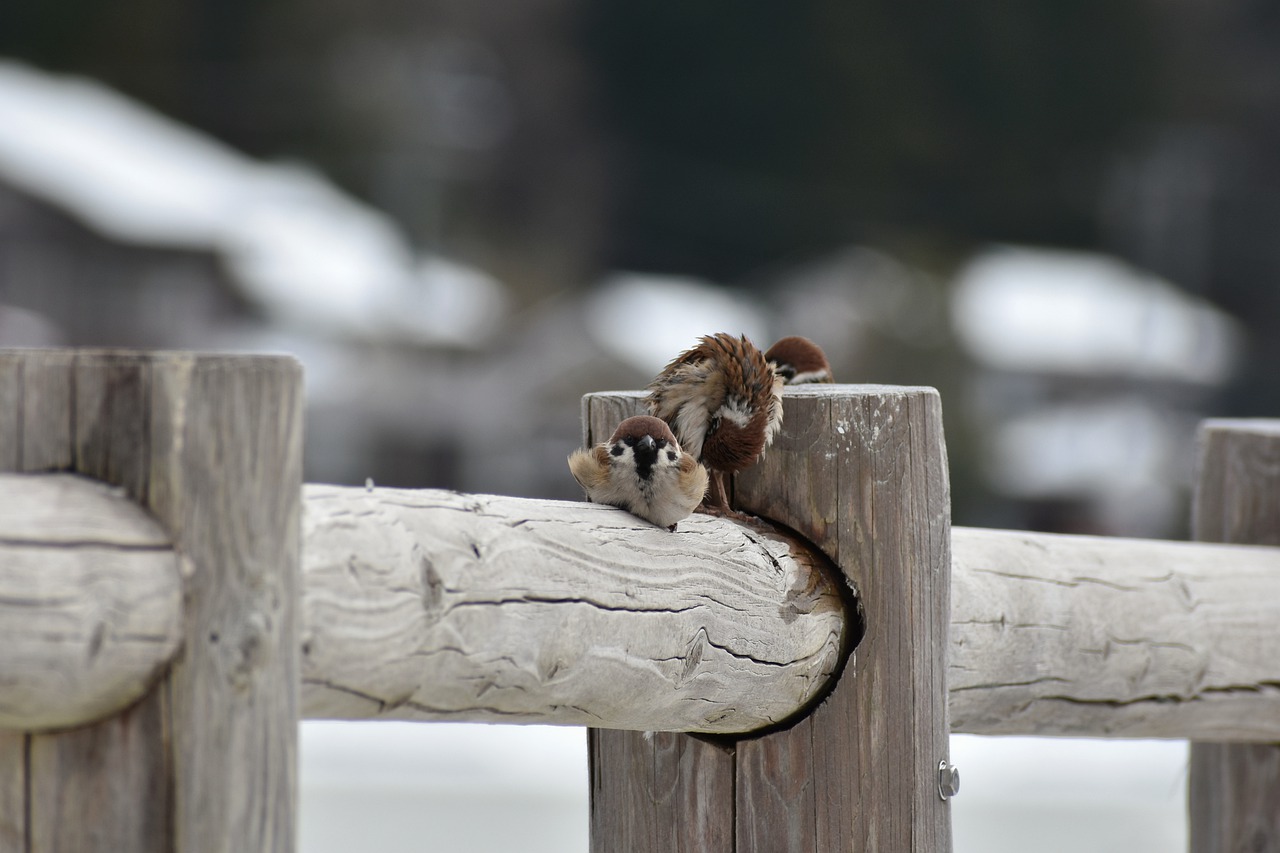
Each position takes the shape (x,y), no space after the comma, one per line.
(861,472)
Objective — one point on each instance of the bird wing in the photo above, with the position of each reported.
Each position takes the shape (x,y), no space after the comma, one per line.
(693,479)
(590,467)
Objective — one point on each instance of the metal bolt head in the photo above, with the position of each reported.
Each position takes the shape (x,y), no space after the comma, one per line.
(948,780)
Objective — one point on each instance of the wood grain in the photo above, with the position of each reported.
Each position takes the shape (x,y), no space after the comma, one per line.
(48,408)
(211,447)
(1051,635)
(14,791)
(96,787)
(861,472)
(1103,637)
(90,601)
(226,481)
(434,605)
(653,792)
(1234,788)
(11,367)
(680,791)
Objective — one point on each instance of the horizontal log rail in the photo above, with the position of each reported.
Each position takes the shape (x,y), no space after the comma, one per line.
(434,605)
(90,601)
(1109,637)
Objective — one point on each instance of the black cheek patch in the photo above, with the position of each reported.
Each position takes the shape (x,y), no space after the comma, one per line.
(617,450)
(671,456)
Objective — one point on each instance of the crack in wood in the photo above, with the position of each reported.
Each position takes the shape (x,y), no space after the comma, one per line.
(81,544)
(1071,583)
(1002,685)
(1202,695)
(598,605)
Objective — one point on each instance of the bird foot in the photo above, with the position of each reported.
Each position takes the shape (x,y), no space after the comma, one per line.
(724,511)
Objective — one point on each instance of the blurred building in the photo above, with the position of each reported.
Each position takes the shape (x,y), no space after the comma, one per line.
(1089,379)
(121,228)
(1072,381)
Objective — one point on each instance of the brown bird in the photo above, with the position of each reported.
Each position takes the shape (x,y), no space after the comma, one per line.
(642,469)
(724,403)
(799,361)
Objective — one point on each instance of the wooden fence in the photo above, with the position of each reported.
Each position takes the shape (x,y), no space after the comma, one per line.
(171,609)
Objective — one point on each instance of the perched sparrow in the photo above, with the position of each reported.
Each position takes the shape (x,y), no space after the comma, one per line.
(799,361)
(724,403)
(642,470)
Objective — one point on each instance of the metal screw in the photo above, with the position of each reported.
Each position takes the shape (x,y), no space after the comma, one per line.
(948,780)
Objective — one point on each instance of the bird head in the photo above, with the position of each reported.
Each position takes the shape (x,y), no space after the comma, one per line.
(645,442)
(798,361)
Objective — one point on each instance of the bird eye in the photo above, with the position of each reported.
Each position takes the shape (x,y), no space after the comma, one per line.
(630,441)
(660,442)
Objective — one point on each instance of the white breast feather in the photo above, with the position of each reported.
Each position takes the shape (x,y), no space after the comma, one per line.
(654,499)
(735,410)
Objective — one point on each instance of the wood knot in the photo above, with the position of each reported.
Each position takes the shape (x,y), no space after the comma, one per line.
(432,586)
(693,656)
(247,652)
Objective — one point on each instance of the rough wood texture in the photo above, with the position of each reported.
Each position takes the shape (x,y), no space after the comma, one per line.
(1234,789)
(1092,637)
(861,472)
(211,446)
(90,601)
(680,791)
(434,605)
(1058,635)
(654,792)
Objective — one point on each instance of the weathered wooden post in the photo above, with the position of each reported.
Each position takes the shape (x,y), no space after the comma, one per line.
(860,471)
(1234,790)
(211,446)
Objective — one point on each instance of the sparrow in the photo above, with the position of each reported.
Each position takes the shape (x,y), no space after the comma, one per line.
(724,403)
(799,361)
(642,469)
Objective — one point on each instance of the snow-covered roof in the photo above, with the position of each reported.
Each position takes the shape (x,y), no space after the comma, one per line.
(645,320)
(1079,313)
(296,245)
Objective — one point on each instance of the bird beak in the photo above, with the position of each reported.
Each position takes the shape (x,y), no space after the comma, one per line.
(646,444)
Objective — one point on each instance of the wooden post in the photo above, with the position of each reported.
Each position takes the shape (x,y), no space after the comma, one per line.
(211,446)
(1234,790)
(861,472)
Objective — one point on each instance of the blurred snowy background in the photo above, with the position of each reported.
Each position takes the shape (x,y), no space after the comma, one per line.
(1060,214)
(409,788)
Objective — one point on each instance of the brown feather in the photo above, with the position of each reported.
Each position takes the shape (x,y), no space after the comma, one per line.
(663,489)
(590,468)
(642,425)
(799,360)
(722,400)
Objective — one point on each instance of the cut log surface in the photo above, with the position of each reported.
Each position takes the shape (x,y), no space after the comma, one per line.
(90,601)
(1104,637)
(434,605)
